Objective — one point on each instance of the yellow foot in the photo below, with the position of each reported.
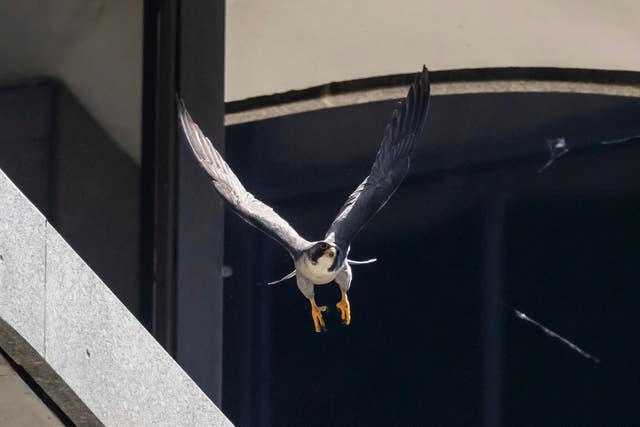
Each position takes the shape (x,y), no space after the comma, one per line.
(316,315)
(345,308)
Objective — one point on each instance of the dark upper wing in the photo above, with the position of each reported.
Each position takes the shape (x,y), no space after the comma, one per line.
(390,167)
(229,187)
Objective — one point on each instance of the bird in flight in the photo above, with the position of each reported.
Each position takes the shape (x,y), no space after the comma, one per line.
(321,262)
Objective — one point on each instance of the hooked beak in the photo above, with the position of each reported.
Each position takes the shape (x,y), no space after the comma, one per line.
(338,259)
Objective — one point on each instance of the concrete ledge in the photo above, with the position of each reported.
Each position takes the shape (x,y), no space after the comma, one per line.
(75,338)
(32,361)
(19,404)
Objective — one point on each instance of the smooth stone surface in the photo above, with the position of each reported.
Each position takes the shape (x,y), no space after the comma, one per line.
(22,264)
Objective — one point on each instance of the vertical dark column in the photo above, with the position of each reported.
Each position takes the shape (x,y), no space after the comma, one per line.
(159,172)
(265,340)
(182,232)
(494,238)
(241,318)
(200,212)
(147,163)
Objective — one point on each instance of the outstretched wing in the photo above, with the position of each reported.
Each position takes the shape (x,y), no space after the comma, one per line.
(229,187)
(390,167)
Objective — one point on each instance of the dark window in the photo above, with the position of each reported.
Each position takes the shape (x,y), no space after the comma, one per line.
(484,222)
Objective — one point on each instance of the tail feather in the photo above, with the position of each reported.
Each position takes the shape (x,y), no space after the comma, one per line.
(288,276)
(350,261)
(354,262)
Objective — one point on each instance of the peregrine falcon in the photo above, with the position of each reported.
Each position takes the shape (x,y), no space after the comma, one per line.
(321,262)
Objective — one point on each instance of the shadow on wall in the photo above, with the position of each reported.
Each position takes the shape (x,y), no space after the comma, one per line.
(77,176)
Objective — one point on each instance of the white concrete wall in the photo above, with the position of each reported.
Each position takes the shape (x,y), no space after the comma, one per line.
(274,46)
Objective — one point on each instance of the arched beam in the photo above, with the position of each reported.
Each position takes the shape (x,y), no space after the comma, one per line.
(449,82)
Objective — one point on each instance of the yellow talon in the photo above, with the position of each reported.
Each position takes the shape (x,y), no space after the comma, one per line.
(316,315)
(345,308)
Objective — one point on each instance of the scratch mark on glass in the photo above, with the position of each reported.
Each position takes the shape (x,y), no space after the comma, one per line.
(620,140)
(520,315)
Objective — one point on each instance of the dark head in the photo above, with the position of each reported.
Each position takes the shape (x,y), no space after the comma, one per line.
(324,252)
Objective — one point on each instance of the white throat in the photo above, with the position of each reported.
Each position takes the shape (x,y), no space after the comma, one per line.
(319,272)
